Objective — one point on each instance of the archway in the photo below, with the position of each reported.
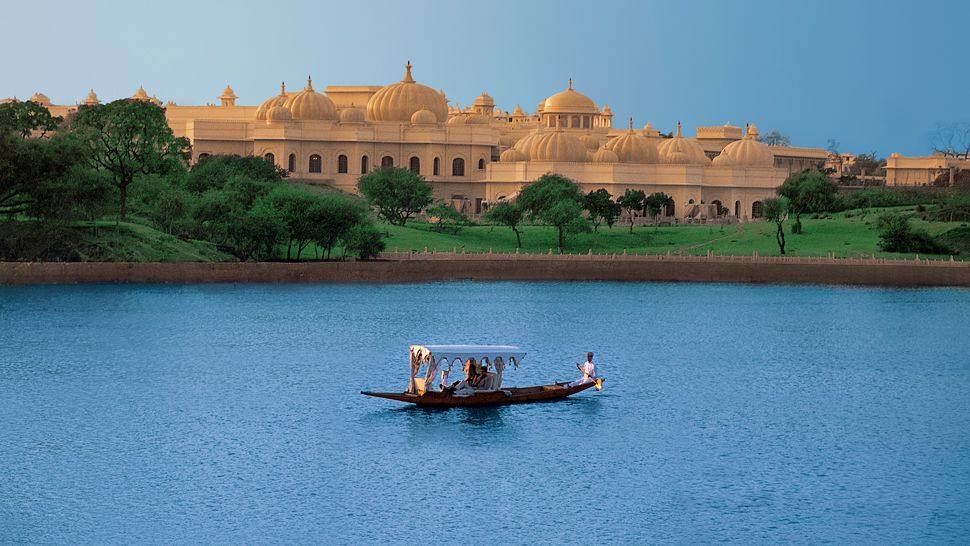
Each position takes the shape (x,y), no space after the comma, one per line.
(757,209)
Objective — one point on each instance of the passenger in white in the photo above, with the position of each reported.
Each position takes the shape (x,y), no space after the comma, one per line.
(588,369)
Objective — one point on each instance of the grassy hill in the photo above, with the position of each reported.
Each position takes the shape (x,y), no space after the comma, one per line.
(101,241)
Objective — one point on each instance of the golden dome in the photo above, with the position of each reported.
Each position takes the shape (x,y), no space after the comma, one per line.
(569,101)
(468,119)
(633,148)
(512,155)
(523,143)
(228,94)
(747,152)
(518,111)
(141,94)
(352,115)
(278,113)
(424,117)
(557,145)
(310,105)
(592,143)
(399,101)
(91,99)
(506,141)
(484,100)
(278,100)
(605,155)
(682,151)
(40,99)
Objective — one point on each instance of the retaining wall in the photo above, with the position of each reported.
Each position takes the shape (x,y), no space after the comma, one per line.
(488,267)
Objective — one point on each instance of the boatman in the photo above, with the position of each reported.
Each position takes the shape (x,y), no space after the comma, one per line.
(588,369)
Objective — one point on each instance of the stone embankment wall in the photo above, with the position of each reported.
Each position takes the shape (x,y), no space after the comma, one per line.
(424,267)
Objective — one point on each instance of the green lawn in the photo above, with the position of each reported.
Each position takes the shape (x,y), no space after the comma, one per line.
(852,236)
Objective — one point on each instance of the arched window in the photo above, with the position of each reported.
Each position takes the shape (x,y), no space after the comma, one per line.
(757,209)
(316,164)
(341,163)
(720,207)
(363,165)
(481,164)
(270,157)
(458,167)
(437,167)
(387,162)
(737,209)
(671,208)
(415,165)
(575,122)
(690,201)
(292,164)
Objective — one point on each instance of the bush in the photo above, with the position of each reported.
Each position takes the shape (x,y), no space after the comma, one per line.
(897,235)
(364,241)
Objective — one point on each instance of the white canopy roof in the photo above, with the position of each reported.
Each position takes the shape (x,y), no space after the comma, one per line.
(464,352)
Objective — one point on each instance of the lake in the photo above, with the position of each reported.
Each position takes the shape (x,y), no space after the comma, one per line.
(232,413)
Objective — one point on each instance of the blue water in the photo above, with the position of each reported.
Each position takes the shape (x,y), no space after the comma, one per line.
(732,413)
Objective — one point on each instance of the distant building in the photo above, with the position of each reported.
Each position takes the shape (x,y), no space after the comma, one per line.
(930,170)
(482,154)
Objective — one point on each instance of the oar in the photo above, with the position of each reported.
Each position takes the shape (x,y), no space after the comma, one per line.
(598,381)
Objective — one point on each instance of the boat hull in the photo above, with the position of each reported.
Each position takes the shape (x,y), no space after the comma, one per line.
(515,395)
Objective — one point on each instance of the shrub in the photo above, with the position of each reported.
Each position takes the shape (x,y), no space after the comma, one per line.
(897,235)
(364,241)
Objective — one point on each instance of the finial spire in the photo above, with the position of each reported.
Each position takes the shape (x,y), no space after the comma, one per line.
(678,130)
(631,124)
(407,73)
(309,83)
(282,88)
(570,84)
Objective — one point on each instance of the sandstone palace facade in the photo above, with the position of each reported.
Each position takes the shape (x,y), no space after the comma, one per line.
(482,154)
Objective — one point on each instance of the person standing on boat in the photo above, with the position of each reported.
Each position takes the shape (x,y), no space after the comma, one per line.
(588,369)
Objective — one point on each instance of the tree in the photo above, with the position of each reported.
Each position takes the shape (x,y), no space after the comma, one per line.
(952,139)
(808,192)
(866,164)
(215,171)
(296,211)
(776,210)
(335,216)
(509,215)
(897,235)
(632,202)
(364,241)
(396,193)
(567,217)
(126,138)
(601,208)
(48,178)
(655,202)
(775,138)
(546,192)
(26,118)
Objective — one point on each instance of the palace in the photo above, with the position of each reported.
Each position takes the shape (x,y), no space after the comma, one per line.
(482,154)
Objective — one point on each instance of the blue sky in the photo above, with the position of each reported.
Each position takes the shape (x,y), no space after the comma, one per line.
(876,76)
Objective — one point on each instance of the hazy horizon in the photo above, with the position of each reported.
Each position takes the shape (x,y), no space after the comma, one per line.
(873,77)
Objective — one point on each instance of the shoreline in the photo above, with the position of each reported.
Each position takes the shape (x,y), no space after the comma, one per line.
(430,267)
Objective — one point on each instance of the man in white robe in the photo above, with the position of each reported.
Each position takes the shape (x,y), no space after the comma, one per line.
(588,369)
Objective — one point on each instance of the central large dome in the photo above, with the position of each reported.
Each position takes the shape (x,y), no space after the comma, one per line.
(569,101)
(399,101)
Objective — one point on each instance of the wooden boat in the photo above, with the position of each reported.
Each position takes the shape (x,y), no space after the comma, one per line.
(435,358)
(512,395)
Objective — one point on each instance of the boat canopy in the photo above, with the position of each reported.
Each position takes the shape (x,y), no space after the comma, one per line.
(443,357)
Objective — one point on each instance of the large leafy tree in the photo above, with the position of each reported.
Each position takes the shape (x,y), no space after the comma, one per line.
(567,217)
(509,215)
(601,207)
(632,202)
(776,210)
(335,217)
(808,192)
(546,192)
(48,178)
(126,138)
(397,194)
(215,171)
(26,118)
